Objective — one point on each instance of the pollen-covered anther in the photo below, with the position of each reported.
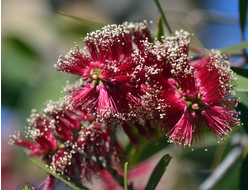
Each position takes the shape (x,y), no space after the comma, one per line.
(95,76)
(195,106)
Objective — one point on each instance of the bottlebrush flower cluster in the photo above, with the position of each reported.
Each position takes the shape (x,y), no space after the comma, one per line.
(70,143)
(130,80)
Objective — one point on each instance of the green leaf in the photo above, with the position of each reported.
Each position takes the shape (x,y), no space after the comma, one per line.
(163,16)
(244,174)
(126,176)
(158,172)
(243,97)
(232,48)
(160,31)
(243,13)
(63,178)
(240,71)
(82,21)
(241,83)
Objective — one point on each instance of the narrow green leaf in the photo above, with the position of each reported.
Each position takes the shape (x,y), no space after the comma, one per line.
(232,48)
(240,71)
(244,174)
(81,20)
(241,83)
(63,178)
(126,176)
(158,172)
(163,16)
(243,13)
(160,31)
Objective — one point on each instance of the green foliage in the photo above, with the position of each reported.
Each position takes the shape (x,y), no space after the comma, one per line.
(158,172)
(241,84)
(21,80)
(160,31)
(240,71)
(163,16)
(63,178)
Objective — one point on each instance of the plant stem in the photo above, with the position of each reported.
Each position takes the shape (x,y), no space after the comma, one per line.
(163,16)
(111,142)
(125,176)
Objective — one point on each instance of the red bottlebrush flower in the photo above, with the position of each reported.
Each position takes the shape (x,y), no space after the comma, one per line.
(93,143)
(117,61)
(140,32)
(172,49)
(60,160)
(201,99)
(65,121)
(49,183)
(40,130)
(20,140)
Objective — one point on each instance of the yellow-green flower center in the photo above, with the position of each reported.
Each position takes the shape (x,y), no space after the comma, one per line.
(194,103)
(96,76)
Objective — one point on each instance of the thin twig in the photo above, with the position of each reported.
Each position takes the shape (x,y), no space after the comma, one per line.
(163,16)
(115,175)
(112,171)
(126,176)
(111,142)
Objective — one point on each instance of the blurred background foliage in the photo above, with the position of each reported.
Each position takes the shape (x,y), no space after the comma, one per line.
(34,34)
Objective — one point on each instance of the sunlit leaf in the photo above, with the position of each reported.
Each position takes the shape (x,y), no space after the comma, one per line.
(232,48)
(63,178)
(158,172)
(241,83)
(160,31)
